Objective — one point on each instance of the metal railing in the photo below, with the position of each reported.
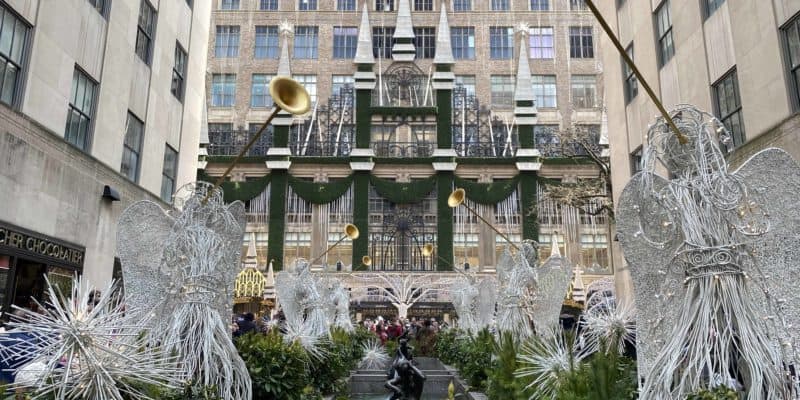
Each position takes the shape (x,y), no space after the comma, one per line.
(403,149)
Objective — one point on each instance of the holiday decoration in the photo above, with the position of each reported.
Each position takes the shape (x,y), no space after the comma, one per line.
(474,300)
(300,295)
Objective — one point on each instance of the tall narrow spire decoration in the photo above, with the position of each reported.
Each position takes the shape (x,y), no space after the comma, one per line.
(364,50)
(284,64)
(524,87)
(403,49)
(444,51)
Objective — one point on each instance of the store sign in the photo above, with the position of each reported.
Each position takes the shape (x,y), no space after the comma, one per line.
(20,239)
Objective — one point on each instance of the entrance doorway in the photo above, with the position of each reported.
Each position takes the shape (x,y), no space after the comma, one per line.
(29,283)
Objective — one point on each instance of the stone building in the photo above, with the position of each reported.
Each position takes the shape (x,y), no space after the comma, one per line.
(411,99)
(101,105)
(739,60)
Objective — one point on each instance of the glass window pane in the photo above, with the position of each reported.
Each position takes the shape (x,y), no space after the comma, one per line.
(7,34)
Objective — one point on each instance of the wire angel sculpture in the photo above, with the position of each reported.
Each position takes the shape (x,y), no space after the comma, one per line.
(83,346)
(713,260)
(181,265)
(553,278)
(338,304)
(300,295)
(474,301)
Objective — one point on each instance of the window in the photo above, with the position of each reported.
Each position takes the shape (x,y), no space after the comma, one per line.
(146,31)
(270,5)
(577,5)
(502,91)
(101,6)
(13,39)
(631,83)
(259,91)
(81,110)
(468,82)
(305,41)
(462,5)
(636,160)
(729,106)
(544,90)
(501,5)
(132,148)
(227,41)
(339,82)
(310,83)
(540,5)
(541,42)
(179,72)
(666,47)
(462,40)
(583,91)
(423,5)
(346,5)
(345,40)
(792,34)
(307,5)
(425,42)
(223,90)
(384,5)
(709,6)
(229,4)
(581,42)
(168,174)
(382,42)
(501,42)
(190,3)
(266,42)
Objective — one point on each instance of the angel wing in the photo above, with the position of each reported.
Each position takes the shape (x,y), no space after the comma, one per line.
(553,278)
(772,179)
(487,300)
(650,237)
(143,229)
(286,290)
(231,264)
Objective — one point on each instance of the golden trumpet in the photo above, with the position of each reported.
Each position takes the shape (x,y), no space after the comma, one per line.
(457,199)
(427,250)
(350,232)
(366,260)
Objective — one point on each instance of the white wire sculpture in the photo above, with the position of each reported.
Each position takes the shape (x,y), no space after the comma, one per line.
(714,260)
(375,356)
(607,324)
(404,289)
(338,304)
(84,347)
(553,279)
(517,278)
(474,300)
(181,266)
(300,295)
(543,359)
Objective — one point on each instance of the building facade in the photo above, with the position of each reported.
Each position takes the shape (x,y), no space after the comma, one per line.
(411,98)
(102,105)
(739,60)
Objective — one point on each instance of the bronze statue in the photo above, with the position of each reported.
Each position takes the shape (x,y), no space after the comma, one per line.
(405,380)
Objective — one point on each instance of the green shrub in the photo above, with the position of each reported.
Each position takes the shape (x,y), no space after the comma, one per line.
(329,375)
(279,371)
(502,384)
(719,393)
(605,376)
(477,358)
(446,347)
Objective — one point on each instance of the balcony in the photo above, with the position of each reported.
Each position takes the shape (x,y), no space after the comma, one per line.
(403,149)
(231,142)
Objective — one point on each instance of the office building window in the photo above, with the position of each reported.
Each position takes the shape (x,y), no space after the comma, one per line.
(584,88)
(544,91)
(346,5)
(310,83)
(709,6)
(307,5)
(13,39)
(501,5)
(501,42)
(266,45)
(425,42)
(223,90)
(462,5)
(577,5)
(541,43)
(423,5)
(132,148)
(540,5)
(102,6)
(179,72)
(146,31)
(81,110)
(463,41)
(631,83)
(666,47)
(306,39)
(339,82)
(636,160)
(268,5)
(468,82)
(190,3)
(345,41)
(502,91)
(384,5)
(168,173)
(229,4)
(792,34)
(382,42)
(729,106)
(259,91)
(226,44)
(581,42)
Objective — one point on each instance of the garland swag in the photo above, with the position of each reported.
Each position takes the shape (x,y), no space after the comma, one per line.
(403,193)
(488,193)
(320,192)
(242,191)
